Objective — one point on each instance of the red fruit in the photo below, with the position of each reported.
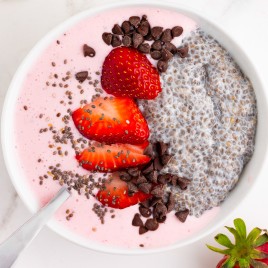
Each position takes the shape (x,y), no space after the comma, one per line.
(108,158)
(128,73)
(116,195)
(248,251)
(112,120)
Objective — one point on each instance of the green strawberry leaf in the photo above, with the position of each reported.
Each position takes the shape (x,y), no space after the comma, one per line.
(243,263)
(253,235)
(223,240)
(222,251)
(261,240)
(229,263)
(241,228)
(235,234)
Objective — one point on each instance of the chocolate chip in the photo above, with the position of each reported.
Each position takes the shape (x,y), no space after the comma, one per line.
(132,188)
(164,178)
(142,230)
(182,215)
(149,168)
(145,212)
(107,38)
(137,220)
(158,191)
(162,66)
(149,150)
(161,220)
(134,20)
(156,32)
(148,37)
(126,26)
(144,48)
(124,176)
(157,164)
(155,200)
(183,52)
(126,41)
(137,39)
(88,51)
(152,176)
(156,55)
(134,180)
(144,28)
(143,18)
(81,76)
(145,203)
(145,187)
(160,211)
(133,172)
(165,159)
(161,147)
(183,182)
(174,180)
(151,224)
(176,31)
(166,55)
(141,179)
(166,36)
(116,41)
(157,45)
(117,30)
(170,47)
(170,203)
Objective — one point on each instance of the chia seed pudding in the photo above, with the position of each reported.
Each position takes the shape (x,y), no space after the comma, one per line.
(207,114)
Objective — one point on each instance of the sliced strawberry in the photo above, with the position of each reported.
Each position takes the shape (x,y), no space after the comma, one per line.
(116,195)
(112,120)
(107,158)
(128,73)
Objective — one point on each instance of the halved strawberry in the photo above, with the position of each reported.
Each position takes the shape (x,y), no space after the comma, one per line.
(126,72)
(108,158)
(116,195)
(112,120)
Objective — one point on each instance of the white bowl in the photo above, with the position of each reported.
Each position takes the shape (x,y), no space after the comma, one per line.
(250,173)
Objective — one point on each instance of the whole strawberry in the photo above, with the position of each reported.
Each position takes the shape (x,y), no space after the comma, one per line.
(128,73)
(248,251)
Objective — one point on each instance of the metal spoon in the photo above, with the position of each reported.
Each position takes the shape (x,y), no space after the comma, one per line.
(11,248)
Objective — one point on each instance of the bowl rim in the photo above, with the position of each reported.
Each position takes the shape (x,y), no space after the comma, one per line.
(184,9)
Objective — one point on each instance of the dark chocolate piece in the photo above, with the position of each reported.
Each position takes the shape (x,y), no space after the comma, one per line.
(107,38)
(137,220)
(182,215)
(117,29)
(88,51)
(176,31)
(81,76)
(151,224)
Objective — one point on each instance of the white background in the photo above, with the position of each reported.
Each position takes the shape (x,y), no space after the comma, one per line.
(22,24)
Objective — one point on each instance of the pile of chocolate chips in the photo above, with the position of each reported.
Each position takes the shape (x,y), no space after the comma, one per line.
(135,31)
(150,181)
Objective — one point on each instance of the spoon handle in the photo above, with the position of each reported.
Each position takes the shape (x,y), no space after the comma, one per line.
(14,244)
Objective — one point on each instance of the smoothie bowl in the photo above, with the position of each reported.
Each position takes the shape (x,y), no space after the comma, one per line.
(150,114)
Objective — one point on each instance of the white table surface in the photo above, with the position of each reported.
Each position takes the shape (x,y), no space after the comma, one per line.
(22,23)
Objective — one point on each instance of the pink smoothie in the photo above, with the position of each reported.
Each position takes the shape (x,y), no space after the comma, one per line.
(39,96)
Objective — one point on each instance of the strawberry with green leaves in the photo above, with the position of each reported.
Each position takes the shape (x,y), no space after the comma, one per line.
(248,251)
(126,72)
